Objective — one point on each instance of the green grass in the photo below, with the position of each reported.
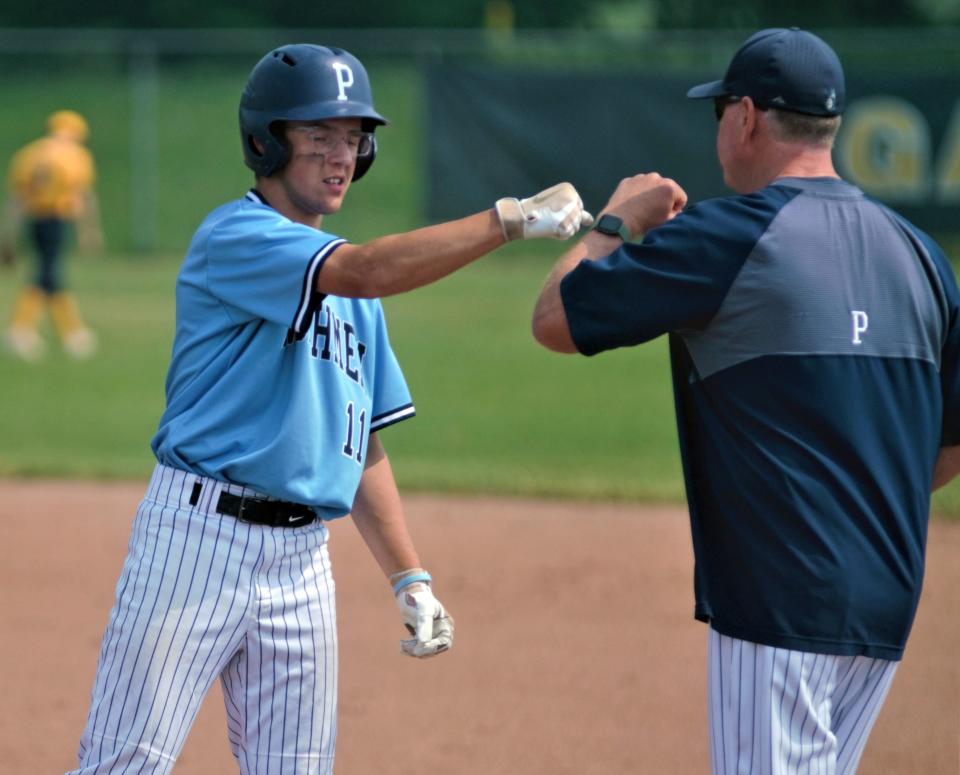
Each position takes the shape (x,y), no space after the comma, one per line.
(499,413)
(62,417)
(495,411)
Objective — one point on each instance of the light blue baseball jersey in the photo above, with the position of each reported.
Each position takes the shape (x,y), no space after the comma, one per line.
(271,384)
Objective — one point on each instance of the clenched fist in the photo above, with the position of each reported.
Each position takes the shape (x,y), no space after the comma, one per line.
(425,619)
(556,212)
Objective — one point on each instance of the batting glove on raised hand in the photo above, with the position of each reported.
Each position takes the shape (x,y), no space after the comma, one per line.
(424,617)
(556,212)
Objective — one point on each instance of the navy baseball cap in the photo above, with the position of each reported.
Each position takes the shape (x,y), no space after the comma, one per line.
(790,69)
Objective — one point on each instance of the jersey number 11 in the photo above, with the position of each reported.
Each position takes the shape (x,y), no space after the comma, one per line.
(361,423)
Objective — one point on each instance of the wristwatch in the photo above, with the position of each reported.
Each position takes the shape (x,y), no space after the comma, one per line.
(613,226)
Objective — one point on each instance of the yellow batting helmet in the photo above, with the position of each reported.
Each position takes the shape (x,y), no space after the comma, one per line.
(68,123)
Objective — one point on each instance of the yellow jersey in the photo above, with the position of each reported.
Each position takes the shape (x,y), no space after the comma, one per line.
(51,176)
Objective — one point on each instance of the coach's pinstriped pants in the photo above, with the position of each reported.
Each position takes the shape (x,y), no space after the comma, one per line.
(202,596)
(779,712)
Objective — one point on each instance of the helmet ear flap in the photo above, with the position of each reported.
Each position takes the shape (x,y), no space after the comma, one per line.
(265,153)
(364,162)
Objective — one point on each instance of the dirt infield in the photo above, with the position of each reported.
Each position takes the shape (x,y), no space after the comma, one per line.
(576,651)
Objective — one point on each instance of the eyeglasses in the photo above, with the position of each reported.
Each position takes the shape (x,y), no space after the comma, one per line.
(324,141)
(720,104)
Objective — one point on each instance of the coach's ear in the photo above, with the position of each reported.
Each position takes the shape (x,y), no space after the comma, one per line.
(749,119)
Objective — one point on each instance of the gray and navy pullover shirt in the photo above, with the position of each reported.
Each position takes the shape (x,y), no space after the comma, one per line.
(814,342)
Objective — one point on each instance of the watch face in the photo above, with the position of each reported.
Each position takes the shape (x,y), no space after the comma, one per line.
(610,224)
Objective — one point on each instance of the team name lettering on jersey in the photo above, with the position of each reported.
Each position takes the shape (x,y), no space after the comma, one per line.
(340,344)
(860,324)
(344,79)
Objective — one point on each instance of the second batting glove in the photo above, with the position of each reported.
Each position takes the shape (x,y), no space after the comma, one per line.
(423,616)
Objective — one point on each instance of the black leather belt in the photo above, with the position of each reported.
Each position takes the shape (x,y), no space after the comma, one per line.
(263,512)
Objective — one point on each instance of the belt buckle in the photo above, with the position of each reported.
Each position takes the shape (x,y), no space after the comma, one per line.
(241,509)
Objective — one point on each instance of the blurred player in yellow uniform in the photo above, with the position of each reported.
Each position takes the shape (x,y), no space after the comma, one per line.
(51,190)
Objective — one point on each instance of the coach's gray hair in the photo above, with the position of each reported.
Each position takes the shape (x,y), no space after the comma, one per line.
(818,131)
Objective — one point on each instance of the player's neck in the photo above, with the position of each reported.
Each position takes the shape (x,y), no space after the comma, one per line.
(277,197)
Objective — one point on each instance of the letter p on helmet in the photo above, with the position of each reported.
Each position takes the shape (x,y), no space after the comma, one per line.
(344,79)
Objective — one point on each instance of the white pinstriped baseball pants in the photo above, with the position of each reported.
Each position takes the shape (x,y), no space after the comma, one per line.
(780,712)
(201,596)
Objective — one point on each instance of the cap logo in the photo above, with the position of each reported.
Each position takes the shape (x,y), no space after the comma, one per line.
(344,80)
(831,100)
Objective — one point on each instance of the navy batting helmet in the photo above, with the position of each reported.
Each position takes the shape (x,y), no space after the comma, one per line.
(303,82)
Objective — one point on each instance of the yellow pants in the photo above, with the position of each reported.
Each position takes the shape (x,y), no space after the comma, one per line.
(64,312)
(77,339)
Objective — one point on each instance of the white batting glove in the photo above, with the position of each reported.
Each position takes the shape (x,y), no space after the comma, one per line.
(556,212)
(424,617)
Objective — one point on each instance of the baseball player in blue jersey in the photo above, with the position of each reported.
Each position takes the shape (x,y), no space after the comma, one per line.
(815,342)
(280,378)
